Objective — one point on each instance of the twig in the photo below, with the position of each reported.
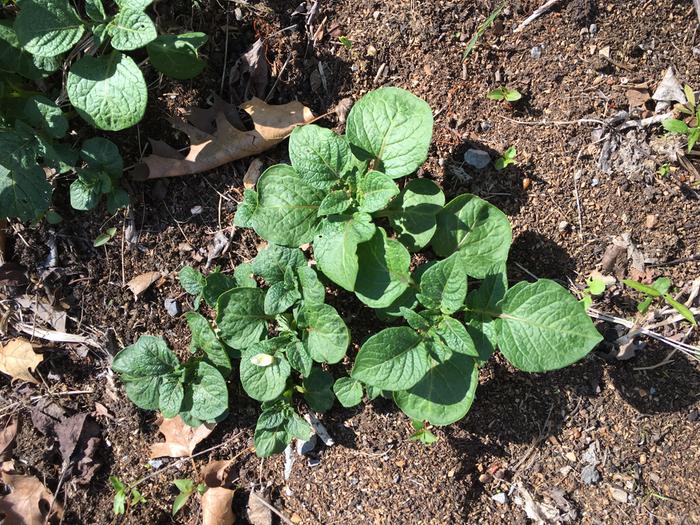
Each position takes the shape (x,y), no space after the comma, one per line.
(578,199)
(554,122)
(538,13)
(273,509)
(223,69)
(55,336)
(696,3)
(683,347)
(279,75)
(183,460)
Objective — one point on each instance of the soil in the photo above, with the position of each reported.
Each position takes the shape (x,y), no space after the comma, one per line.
(526,435)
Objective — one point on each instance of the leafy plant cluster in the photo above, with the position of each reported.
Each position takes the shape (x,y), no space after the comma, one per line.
(680,126)
(54,56)
(445,316)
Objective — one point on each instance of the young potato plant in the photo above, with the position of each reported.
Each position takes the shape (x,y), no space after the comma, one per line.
(280,334)
(340,192)
(448,314)
(102,83)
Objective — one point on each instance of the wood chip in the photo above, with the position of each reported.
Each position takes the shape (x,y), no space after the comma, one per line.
(141,283)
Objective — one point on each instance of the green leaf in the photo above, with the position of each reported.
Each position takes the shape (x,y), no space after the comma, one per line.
(645,289)
(336,247)
(246,209)
(392,126)
(14,59)
(689,95)
(176,55)
(143,366)
(217,284)
(513,95)
(116,199)
(206,395)
(45,115)
(348,391)
(413,213)
(243,274)
(319,154)
(287,207)
(186,488)
(324,332)
(312,290)
(134,4)
(265,383)
(95,10)
(543,327)
(383,270)
(595,286)
(299,358)
(103,238)
(445,394)
(204,338)
(424,436)
(693,137)
(662,284)
(277,426)
(478,230)
(24,192)
(102,154)
(86,190)
(170,396)
(272,262)
(280,297)
(675,126)
(109,91)
(456,337)
(119,504)
(241,317)
(681,309)
(444,285)
(318,390)
(48,27)
(192,281)
(375,190)
(334,203)
(131,29)
(414,320)
(497,94)
(393,359)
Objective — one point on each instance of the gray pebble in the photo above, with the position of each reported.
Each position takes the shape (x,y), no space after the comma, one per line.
(172,307)
(590,475)
(501,498)
(477,158)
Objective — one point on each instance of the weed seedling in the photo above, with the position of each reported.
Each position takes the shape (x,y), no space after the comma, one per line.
(594,287)
(483,27)
(345,41)
(421,433)
(105,237)
(681,127)
(186,488)
(659,288)
(504,93)
(121,498)
(506,159)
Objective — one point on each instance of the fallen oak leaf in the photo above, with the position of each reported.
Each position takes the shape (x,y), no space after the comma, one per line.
(78,440)
(28,502)
(217,500)
(213,146)
(17,358)
(180,438)
(141,283)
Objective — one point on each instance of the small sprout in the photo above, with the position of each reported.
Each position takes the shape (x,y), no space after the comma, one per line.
(506,159)
(659,288)
(664,170)
(104,238)
(505,93)
(345,41)
(119,506)
(594,286)
(483,27)
(186,488)
(422,434)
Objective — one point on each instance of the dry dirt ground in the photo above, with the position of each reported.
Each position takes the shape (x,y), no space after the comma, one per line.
(527,436)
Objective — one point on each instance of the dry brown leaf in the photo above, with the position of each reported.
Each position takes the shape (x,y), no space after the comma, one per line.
(141,283)
(18,357)
(258,512)
(217,500)
(216,506)
(215,141)
(28,502)
(8,431)
(180,438)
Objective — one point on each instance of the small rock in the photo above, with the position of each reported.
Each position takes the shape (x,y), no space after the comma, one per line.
(500,498)
(593,29)
(485,125)
(536,52)
(314,462)
(371,51)
(565,470)
(526,182)
(570,456)
(650,221)
(196,210)
(590,475)
(693,415)
(485,478)
(595,181)
(477,158)
(618,494)
(172,307)
(563,226)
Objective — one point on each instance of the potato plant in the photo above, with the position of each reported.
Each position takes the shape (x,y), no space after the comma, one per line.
(447,315)
(39,42)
